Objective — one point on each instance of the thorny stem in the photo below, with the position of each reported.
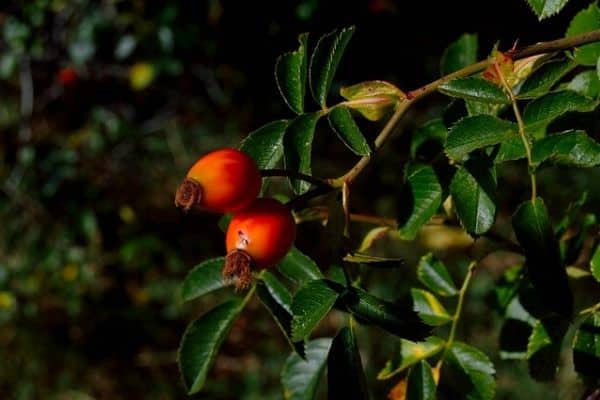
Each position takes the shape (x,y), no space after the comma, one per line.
(521,125)
(415,95)
(590,310)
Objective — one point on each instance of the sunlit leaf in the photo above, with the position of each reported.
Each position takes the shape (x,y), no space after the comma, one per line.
(429,308)
(410,354)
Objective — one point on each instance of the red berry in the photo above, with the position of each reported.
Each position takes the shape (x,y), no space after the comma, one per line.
(68,76)
(257,237)
(224,180)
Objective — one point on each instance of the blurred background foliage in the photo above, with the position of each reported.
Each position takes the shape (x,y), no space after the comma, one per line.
(103,107)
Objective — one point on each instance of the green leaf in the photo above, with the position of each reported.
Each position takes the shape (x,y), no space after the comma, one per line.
(325,60)
(421,385)
(544,78)
(511,149)
(372,98)
(585,21)
(478,108)
(345,376)
(595,263)
(475,88)
(310,304)
(546,8)
(204,278)
(506,289)
(434,274)
(470,371)
(300,377)
(410,354)
(201,341)
(432,131)
(573,148)
(388,316)
(420,199)
(265,145)
(278,291)
(540,112)
(297,148)
(533,229)
(459,54)
(429,308)
(543,348)
(586,347)
(343,124)
(473,189)
(298,267)
(276,298)
(586,84)
(290,74)
(479,131)
(224,222)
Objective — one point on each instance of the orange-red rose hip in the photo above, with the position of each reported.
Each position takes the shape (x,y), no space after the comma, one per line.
(257,237)
(225,180)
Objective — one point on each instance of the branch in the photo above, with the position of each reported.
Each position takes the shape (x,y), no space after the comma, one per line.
(415,95)
(296,175)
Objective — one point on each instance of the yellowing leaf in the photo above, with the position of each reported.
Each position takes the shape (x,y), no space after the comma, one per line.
(398,392)
(372,98)
(141,75)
